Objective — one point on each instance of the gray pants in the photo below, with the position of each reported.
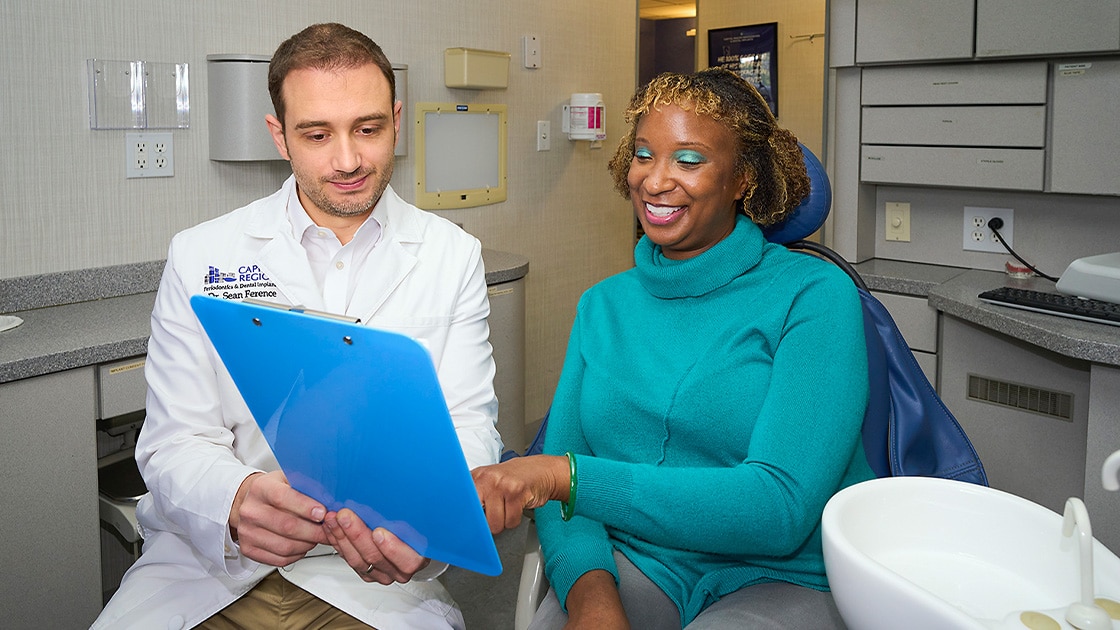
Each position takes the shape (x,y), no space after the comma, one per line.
(771,606)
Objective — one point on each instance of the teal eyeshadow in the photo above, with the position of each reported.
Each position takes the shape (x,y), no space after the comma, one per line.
(642,153)
(689,157)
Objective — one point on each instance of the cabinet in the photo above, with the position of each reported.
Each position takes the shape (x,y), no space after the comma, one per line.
(1044,27)
(914,30)
(995,385)
(48,530)
(892,31)
(917,321)
(1085,127)
(956,125)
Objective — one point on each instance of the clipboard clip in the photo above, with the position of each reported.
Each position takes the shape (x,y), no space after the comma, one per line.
(306,311)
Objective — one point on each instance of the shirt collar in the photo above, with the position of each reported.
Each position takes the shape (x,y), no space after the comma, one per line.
(302,225)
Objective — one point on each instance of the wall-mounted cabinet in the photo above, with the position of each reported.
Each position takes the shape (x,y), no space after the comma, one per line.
(972,125)
(1043,27)
(955,167)
(1085,127)
(914,30)
(958,125)
(956,84)
(897,31)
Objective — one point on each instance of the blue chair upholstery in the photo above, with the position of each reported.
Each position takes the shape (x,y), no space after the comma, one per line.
(907,430)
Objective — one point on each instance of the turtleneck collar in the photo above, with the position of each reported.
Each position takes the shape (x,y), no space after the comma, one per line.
(693,277)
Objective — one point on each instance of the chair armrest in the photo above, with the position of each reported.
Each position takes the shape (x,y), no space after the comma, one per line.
(533,585)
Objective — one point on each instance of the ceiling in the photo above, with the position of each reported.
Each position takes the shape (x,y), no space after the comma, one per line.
(665,9)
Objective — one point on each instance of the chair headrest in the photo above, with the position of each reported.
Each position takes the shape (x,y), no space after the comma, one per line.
(810,215)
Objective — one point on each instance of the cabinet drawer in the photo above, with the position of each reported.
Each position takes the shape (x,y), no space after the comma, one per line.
(970,126)
(915,318)
(1012,169)
(956,84)
(928,362)
(121,387)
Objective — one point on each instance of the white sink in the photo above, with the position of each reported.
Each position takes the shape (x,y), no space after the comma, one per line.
(923,553)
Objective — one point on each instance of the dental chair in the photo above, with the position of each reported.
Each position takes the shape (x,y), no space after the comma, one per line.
(907,430)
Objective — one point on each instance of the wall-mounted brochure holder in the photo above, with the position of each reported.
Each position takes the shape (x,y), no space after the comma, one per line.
(138,95)
(460,155)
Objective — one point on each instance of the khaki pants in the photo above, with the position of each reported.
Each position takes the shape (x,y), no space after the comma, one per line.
(277,604)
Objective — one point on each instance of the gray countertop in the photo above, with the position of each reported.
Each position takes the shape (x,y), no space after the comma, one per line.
(66,325)
(64,336)
(953,291)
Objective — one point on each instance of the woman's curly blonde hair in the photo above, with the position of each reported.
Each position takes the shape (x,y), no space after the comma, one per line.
(769,154)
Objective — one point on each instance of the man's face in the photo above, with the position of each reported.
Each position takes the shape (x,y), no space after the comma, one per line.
(339,132)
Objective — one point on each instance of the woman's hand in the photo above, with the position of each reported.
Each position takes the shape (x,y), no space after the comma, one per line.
(594,604)
(522,483)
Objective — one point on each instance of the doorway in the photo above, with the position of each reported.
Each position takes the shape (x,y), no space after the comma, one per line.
(666,37)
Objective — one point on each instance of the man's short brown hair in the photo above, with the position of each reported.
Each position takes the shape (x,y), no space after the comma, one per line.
(328,46)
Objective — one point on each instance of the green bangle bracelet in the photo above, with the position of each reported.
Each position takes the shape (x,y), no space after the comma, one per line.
(568,508)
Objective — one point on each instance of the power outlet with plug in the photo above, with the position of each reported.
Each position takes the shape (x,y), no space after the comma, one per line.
(978,236)
(149,155)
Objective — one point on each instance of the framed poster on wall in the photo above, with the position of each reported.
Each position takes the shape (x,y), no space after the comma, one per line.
(750,52)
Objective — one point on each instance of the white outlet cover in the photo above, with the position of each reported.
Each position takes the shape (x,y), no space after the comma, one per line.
(149,155)
(979,238)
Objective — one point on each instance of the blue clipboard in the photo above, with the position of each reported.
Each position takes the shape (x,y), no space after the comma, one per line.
(357,419)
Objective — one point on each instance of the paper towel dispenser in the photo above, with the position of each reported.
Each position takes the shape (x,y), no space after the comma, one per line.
(238,102)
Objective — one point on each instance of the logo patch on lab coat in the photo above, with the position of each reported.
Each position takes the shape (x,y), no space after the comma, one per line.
(249,281)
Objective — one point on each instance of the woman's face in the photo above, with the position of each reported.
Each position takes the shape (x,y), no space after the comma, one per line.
(682,180)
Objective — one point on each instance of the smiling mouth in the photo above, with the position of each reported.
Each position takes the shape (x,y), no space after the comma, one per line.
(349,184)
(662,212)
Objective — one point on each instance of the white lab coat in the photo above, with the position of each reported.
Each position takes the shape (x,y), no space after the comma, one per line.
(424,279)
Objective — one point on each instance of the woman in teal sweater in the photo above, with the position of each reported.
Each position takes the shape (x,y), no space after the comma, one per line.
(712,396)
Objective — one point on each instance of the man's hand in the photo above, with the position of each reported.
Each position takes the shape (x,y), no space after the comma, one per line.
(375,555)
(522,483)
(272,523)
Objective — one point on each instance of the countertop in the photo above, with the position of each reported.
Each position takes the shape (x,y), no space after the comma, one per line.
(953,291)
(82,318)
(91,330)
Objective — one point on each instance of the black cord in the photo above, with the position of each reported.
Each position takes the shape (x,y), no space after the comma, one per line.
(994,224)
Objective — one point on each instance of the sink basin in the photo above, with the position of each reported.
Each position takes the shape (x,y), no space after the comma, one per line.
(924,553)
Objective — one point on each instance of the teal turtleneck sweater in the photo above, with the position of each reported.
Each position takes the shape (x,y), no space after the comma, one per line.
(714,406)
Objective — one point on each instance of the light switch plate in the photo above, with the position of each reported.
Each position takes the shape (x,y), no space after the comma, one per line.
(544,135)
(897,221)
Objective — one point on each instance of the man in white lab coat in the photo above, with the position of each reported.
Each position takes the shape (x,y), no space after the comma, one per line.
(220,515)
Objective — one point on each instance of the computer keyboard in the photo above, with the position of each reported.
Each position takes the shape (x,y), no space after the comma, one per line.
(1055,304)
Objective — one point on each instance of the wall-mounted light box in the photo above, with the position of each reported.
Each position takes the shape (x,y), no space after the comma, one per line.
(460,155)
(138,95)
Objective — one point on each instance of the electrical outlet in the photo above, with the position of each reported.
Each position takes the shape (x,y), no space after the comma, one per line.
(978,237)
(149,155)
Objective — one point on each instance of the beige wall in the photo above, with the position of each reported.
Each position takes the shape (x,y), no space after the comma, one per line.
(67,205)
(800,61)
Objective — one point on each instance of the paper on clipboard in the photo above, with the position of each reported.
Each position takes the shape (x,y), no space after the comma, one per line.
(356,418)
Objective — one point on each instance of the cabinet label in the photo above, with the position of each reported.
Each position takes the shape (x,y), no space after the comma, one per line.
(1072,69)
(128,367)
